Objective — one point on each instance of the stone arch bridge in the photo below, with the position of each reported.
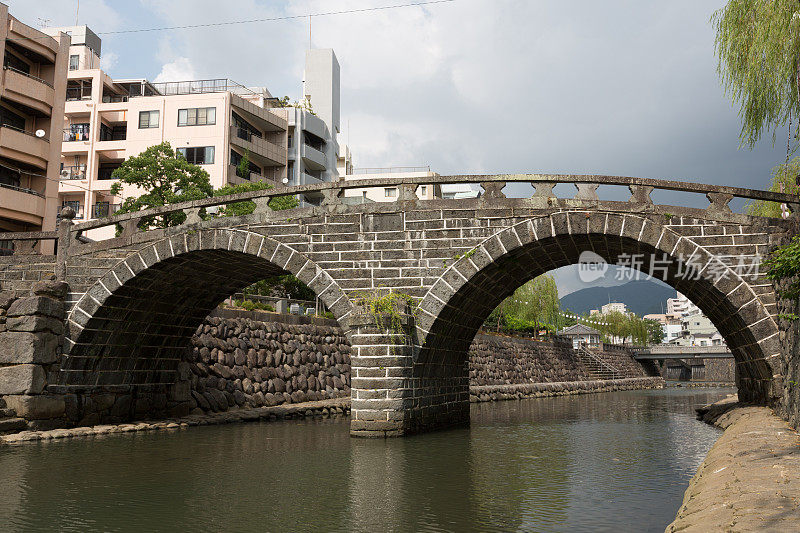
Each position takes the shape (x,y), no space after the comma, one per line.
(139,297)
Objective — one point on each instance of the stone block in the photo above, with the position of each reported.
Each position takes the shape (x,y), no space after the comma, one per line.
(35,324)
(38,407)
(52,288)
(37,305)
(21,347)
(6,298)
(21,379)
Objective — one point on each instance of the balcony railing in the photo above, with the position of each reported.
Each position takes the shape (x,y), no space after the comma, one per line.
(390,170)
(115,98)
(75,135)
(26,132)
(22,190)
(73,172)
(18,71)
(203,86)
(77,93)
(104,209)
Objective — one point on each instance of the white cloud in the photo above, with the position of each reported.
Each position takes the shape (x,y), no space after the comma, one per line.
(179,70)
(109,60)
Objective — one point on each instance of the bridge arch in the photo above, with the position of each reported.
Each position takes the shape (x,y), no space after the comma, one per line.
(457,304)
(135,322)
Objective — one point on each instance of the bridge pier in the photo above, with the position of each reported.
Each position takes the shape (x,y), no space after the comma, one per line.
(391,395)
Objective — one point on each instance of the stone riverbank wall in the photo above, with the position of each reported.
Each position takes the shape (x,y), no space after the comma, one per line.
(241,359)
(750,479)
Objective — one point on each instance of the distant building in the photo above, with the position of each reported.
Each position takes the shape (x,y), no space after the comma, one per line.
(32,91)
(581,334)
(681,305)
(455,191)
(213,123)
(389,193)
(671,324)
(614,307)
(698,330)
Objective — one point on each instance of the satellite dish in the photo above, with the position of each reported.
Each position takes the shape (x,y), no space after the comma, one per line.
(285,180)
(40,133)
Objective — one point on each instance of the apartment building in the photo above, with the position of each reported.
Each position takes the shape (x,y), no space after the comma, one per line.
(32,91)
(389,194)
(315,124)
(681,305)
(213,123)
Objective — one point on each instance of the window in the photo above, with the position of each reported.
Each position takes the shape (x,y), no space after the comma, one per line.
(422,190)
(200,155)
(197,116)
(73,62)
(148,119)
(390,192)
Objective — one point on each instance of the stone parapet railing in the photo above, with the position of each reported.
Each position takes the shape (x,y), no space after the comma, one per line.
(544,197)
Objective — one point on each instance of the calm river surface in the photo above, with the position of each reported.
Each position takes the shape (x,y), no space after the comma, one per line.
(602,462)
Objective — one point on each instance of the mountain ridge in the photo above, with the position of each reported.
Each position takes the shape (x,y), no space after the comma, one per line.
(642,297)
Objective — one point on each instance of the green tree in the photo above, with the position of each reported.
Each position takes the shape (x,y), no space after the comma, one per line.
(655,332)
(166,178)
(248,206)
(532,307)
(758,47)
(783,180)
(243,168)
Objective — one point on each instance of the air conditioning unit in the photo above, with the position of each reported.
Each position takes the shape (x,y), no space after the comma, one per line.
(66,174)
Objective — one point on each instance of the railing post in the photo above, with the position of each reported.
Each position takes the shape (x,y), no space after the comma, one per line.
(640,194)
(262,205)
(331,196)
(407,192)
(493,189)
(129,226)
(193,216)
(64,242)
(719,202)
(587,191)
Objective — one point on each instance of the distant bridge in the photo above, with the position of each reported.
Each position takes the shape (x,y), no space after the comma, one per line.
(681,352)
(140,296)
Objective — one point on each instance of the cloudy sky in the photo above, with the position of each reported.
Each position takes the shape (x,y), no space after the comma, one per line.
(468,86)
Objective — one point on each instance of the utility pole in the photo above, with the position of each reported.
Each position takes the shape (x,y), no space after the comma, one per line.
(77,10)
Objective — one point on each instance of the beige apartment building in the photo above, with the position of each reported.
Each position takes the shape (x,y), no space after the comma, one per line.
(32,91)
(386,194)
(213,123)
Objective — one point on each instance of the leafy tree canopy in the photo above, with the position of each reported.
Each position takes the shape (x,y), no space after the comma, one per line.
(783,180)
(532,307)
(166,178)
(758,47)
(247,207)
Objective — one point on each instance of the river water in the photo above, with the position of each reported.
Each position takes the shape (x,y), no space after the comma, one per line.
(601,462)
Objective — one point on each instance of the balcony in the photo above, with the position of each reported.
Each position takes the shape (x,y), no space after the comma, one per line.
(104,209)
(24,205)
(24,146)
(32,40)
(73,172)
(72,135)
(271,154)
(313,158)
(28,90)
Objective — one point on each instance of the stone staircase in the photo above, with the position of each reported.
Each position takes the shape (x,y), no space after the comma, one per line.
(596,367)
(8,420)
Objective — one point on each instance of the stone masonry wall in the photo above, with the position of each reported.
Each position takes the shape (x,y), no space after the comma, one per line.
(237,359)
(496,360)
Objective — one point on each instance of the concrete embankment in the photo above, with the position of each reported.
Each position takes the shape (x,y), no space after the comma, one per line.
(750,479)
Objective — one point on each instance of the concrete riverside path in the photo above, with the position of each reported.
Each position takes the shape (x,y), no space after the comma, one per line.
(135,300)
(750,479)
